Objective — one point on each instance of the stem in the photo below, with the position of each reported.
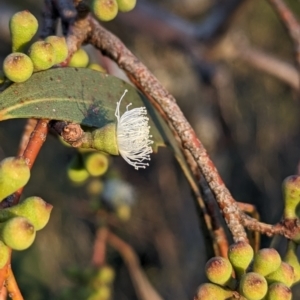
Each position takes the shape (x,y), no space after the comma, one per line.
(12,286)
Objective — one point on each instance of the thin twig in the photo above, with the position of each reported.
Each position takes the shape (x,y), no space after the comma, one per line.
(159,97)
(37,139)
(290,22)
(143,287)
(99,251)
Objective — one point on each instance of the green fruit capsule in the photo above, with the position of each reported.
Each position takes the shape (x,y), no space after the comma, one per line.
(96,163)
(292,259)
(60,47)
(284,274)
(279,291)
(240,255)
(253,286)
(105,275)
(291,192)
(42,55)
(35,209)
(76,170)
(218,270)
(17,67)
(14,174)
(23,26)
(80,59)
(105,10)
(210,291)
(4,254)
(17,233)
(266,261)
(126,5)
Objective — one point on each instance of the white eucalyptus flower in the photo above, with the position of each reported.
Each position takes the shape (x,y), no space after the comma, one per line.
(133,135)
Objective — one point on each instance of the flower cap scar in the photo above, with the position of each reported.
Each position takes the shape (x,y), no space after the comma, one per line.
(133,135)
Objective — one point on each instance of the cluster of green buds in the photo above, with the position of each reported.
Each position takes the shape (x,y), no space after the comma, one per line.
(107,10)
(260,276)
(26,59)
(90,283)
(19,223)
(86,164)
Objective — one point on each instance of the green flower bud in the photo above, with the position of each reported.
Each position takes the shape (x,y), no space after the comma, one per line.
(96,163)
(103,293)
(4,254)
(210,291)
(266,261)
(60,47)
(218,270)
(97,67)
(105,10)
(80,59)
(253,286)
(76,170)
(17,233)
(35,209)
(284,274)
(14,174)
(292,259)
(123,212)
(42,55)
(291,192)
(23,26)
(240,255)
(105,275)
(102,139)
(126,5)
(279,291)
(17,67)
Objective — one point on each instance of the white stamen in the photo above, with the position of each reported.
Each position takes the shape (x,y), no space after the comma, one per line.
(133,135)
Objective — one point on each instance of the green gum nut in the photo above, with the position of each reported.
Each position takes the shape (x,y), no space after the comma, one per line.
(106,275)
(4,254)
(60,47)
(96,163)
(291,193)
(42,55)
(218,270)
(35,209)
(17,67)
(126,5)
(253,286)
(102,139)
(14,174)
(17,233)
(97,67)
(76,170)
(23,26)
(79,59)
(123,212)
(102,293)
(266,261)
(210,291)
(105,10)
(284,274)
(279,291)
(292,259)
(240,255)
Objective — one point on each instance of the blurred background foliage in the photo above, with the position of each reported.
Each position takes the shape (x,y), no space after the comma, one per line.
(247,119)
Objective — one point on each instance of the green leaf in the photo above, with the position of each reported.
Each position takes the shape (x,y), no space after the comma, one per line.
(82,96)
(76,95)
